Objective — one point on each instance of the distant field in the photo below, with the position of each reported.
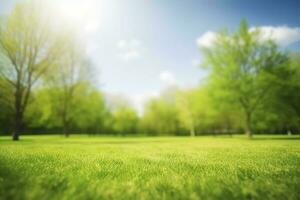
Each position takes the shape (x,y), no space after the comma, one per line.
(82,167)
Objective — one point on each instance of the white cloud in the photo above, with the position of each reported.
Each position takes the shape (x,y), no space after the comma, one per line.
(129,49)
(167,78)
(282,35)
(129,55)
(207,39)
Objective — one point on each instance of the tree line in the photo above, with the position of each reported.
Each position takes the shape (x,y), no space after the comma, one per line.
(253,86)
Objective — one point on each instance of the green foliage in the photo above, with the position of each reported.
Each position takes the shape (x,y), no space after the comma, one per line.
(160,117)
(195,110)
(125,120)
(6,107)
(29,46)
(47,85)
(87,114)
(289,92)
(80,167)
(244,68)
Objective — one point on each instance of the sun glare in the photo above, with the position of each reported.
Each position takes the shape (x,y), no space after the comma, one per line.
(84,16)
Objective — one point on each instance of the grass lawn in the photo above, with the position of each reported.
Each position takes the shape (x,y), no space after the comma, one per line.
(82,167)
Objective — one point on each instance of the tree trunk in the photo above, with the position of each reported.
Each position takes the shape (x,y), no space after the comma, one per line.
(18,115)
(192,131)
(228,126)
(66,133)
(248,128)
(66,130)
(64,119)
(17,126)
(15,135)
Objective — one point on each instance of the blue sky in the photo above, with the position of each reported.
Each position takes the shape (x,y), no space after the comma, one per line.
(141,46)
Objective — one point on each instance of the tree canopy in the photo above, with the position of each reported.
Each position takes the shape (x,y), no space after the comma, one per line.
(244,67)
(46,86)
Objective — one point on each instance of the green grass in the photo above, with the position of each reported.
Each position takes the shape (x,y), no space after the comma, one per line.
(82,167)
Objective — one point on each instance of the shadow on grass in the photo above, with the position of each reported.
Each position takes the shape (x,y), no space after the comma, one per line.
(277,138)
(115,142)
(11,184)
(77,141)
(9,140)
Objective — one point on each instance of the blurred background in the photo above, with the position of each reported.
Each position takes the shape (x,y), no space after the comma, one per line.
(149,67)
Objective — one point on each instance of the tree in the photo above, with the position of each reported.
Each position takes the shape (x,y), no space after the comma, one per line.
(90,112)
(287,95)
(87,115)
(28,47)
(244,66)
(69,73)
(194,109)
(291,94)
(187,113)
(160,114)
(6,106)
(198,112)
(125,120)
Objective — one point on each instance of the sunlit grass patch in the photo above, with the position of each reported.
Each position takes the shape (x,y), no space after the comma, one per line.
(81,167)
